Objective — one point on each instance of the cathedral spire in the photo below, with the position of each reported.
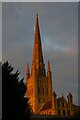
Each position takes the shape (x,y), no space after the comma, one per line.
(49,68)
(27,71)
(37,59)
(49,80)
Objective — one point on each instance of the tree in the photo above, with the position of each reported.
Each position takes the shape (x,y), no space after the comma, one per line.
(0,91)
(15,105)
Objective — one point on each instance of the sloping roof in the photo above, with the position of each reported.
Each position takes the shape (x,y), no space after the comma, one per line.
(47,105)
(61,99)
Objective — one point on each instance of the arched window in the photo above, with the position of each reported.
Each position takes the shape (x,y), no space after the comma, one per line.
(59,113)
(58,104)
(47,91)
(62,104)
(39,100)
(64,113)
(38,90)
(68,112)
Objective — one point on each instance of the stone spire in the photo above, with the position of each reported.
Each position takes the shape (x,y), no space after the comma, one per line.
(54,102)
(37,60)
(49,68)
(70,99)
(49,80)
(27,71)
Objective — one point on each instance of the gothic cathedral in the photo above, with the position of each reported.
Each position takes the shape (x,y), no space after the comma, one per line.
(39,84)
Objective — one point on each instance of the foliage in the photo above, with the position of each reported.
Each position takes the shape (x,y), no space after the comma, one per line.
(15,105)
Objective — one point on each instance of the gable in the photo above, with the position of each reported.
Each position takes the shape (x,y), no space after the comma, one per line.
(61,102)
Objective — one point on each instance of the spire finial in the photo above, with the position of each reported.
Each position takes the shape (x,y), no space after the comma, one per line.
(27,71)
(49,69)
(70,94)
(54,94)
(62,94)
(37,14)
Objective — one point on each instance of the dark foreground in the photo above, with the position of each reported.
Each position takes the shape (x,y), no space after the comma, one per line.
(50,117)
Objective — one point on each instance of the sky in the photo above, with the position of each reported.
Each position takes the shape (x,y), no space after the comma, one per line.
(0,31)
(59,35)
(0,60)
(40,0)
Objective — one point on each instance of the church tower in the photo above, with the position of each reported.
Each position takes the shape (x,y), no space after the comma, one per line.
(39,85)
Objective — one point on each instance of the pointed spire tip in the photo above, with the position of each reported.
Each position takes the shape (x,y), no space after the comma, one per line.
(37,14)
(49,69)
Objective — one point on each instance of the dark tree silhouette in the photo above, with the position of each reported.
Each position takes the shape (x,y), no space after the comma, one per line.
(0,91)
(14,105)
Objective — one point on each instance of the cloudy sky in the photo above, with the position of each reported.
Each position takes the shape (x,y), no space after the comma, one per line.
(59,35)
(40,0)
